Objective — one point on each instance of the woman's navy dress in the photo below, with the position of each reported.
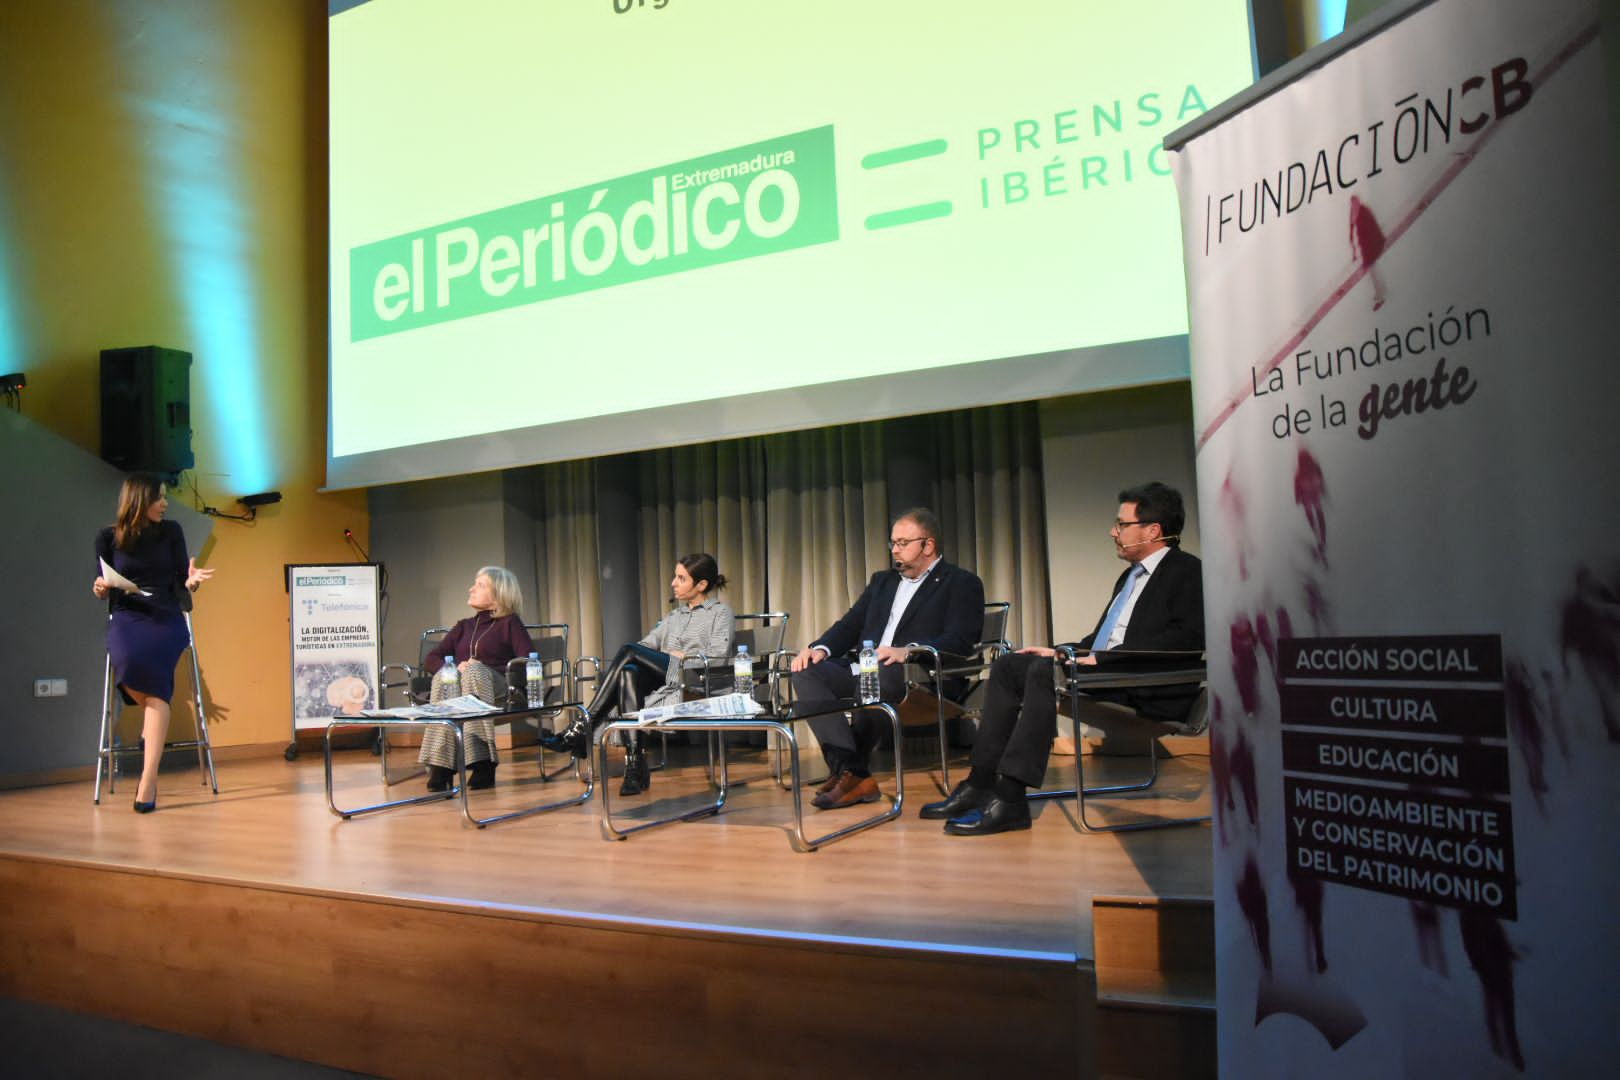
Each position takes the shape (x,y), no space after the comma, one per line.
(147,634)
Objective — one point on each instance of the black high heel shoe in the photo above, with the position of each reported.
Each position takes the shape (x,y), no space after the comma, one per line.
(146,807)
(574,739)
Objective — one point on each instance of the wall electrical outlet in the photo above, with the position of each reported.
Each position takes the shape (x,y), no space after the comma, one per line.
(50,688)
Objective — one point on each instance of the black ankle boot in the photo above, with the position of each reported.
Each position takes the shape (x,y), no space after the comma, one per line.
(439,778)
(637,778)
(574,739)
(480,775)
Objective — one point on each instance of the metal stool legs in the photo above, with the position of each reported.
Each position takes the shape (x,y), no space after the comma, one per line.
(107,749)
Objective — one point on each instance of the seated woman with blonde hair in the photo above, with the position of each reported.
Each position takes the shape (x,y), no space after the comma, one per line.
(481,647)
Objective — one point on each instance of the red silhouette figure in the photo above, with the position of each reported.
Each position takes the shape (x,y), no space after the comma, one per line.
(1310,492)
(1240,766)
(1308,897)
(1219,776)
(1251,897)
(1316,605)
(1431,950)
(1285,626)
(1491,955)
(1246,663)
(1231,502)
(1268,645)
(1366,245)
(1591,631)
(1525,712)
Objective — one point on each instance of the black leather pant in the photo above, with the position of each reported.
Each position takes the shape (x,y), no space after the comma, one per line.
(634,672)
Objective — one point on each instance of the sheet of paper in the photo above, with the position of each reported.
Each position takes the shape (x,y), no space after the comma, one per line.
(119,581)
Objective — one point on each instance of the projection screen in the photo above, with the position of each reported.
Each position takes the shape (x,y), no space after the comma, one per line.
(564,229)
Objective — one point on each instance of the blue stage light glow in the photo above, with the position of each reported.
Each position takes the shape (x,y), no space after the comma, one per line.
(197,147)
(1330,17)
(13,349)
(683,926)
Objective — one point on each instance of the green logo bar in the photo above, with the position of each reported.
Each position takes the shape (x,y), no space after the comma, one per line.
(752,200)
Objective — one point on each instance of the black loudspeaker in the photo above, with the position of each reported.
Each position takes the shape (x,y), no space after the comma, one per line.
(146,409)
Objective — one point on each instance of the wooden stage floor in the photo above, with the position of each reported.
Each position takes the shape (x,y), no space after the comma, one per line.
(903,882)
(260,919)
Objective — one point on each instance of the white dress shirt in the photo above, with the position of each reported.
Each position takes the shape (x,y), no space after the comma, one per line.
(902,597)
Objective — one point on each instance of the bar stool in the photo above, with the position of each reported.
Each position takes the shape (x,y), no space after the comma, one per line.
(107,747)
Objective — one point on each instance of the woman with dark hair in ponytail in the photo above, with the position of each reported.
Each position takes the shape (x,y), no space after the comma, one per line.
(647,673)
(147,632)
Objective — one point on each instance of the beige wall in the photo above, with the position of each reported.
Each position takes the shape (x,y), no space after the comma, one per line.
(142,144)
(1092,447)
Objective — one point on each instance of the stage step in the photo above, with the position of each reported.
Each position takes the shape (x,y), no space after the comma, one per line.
(1155,964)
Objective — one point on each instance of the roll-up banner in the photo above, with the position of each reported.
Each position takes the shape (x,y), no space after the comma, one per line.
(1403,264)
(336,641)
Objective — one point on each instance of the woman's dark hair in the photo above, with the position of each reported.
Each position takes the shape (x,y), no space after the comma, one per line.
(135,498)
(702,567)
(1158,504)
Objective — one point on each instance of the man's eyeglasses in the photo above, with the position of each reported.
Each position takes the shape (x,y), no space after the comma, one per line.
(896,545)
(1121,526)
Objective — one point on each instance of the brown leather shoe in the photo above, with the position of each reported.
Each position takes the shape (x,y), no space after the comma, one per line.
(830,783)
(851,790)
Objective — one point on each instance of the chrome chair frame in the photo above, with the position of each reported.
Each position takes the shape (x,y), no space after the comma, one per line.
(718,728)
(556,677)
(717,671)
(107,747)
(938,667)
(1077,678)
(456,725)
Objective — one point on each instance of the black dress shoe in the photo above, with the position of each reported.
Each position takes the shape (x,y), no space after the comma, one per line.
(997,815)
(480,775)
(439,778)
(963,797)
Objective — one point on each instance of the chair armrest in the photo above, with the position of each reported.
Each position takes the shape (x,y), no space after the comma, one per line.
(418,684)
(1156,668)
(944,665)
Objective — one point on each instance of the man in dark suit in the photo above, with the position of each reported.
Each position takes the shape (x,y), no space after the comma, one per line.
(1157,604)
(923,600)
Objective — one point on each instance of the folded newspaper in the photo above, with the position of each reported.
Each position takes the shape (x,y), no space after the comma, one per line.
(726,706)
(465,705)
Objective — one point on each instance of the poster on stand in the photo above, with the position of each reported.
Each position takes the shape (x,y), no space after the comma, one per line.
(1403,260)
(336,641)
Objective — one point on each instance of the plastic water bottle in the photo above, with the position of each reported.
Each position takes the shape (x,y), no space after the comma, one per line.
(535,676)
(742,672)
(870,689)
(449,679)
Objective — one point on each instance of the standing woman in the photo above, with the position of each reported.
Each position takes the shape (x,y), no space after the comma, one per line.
(147,634)
(482,646)
(647,673)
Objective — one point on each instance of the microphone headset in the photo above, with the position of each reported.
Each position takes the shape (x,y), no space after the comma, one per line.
(1162,539)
